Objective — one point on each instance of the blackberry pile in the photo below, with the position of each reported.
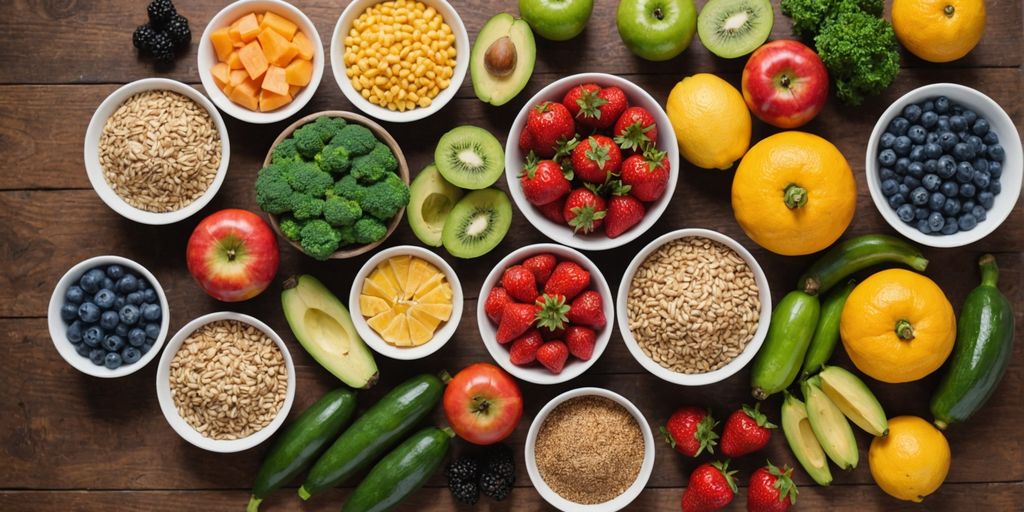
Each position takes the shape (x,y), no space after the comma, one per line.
(166,33)
(493,474)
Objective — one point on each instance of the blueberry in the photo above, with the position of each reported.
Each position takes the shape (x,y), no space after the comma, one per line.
(980,165)
(107,283)
(134,298)
(935,221)
(957,123)
(921,213)
(931,166)
(932,150)
(947,167)
(104,298)
(112,360)
(127,284)
(943,124)
(89,312)
(136,337)
(980,127)
(970,116)
(887,158)
(145,348)
(121,330)
(109,320)
(905,212)
(919,196)
(967,222)
(152,330)
(995,186)
(115,271)
(68,312)
(976,144)
(902,145)
(922,226)
(963,151)
(898,126)
(912,112)
(129,314)
(931,182)
(995,169)
(981,180)
(151,312)
(889,187)
(928,106)
(950,227)
(990,138)
(917,134)
(119,302)
(996,153)
(979,212)
(932,138)
(955,108)
(91,281)
(130,355)
(150,294)
(968,190)
(901,165)
(936,200)
(916,169)
(964,172)
(896,200)
(93,336)
(951,206)
(942,104)
(113,343)
(884,173)
(904,189)
(986,200)
(82,349)
(947,140)
(967,205)
(917,153)
(928,119)
(143,284)
(74,294)
(97,355)
(886,140)
(74,332)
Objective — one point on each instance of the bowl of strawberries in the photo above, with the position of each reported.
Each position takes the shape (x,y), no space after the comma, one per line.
(592,161)
(545,313)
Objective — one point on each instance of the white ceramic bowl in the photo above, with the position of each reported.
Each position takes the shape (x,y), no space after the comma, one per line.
(561,233)
(623,499)
(92,158)
(1013,164)
(536,373)
(441,336)
(462,49)
(207,57)
(58,329)
(163,387)
(694,379)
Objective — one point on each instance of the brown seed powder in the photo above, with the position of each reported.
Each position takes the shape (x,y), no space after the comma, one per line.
(589,450)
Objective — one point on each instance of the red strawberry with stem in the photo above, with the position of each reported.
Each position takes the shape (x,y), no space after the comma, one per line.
(515,320)
(587,309)
(524,348)
(553,211)
(568,280)
(553,355)
(624,211)
(615,103)
(543,181)
(646,174)
(635,129)
(746,431)
(771,489)
(581,341)
(595,158)
(691,430)
(552,312)
(495,304)
(580,100)
(711,487)
(549,122)
(584,210)
(542,265)
(520,283)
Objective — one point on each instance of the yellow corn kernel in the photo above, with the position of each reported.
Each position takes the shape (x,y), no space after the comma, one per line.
(424,102)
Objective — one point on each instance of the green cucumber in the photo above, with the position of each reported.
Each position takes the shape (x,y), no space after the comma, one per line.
(378,429)
(778,362)
(302,443)
(401,472)
(857,254)
(984,344)
(826,334)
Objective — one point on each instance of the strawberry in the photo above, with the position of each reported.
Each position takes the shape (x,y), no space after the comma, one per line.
(746,431)
(553,355)
(548,123)
(515,320)
(582,97)
(581,341)
(551,315)
(568,280)
(542,265)
(543,181)
(624,212)
(520,283)
(553,211)
(711,487)
(615,103)
(526,142)
(771,489)
(646,174)
(524,348)
(587,309)
(584,210)
(635,129)
(495,304)
(691,430)
(595,158)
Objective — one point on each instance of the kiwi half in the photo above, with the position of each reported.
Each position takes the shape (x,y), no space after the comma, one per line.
(431,198)
(469,157)
(734,28)
(477,223)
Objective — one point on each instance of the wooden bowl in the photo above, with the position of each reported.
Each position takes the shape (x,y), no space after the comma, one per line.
(383,136)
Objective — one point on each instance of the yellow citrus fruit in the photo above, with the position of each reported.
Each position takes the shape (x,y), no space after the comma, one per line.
(938,30)
(912,461)
(710,119)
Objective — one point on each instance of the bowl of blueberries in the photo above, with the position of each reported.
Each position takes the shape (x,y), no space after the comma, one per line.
(108,316)
(944,165)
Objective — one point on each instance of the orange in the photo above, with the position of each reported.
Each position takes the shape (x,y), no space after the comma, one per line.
(939,30)
(912,461)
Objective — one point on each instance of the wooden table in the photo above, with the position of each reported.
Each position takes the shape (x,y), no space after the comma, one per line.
(72,442)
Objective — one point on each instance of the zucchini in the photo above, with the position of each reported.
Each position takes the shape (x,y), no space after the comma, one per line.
(857,254)
(378,429)
(984,343)
(304,440)
(401,472)
(826,334)
(778,362)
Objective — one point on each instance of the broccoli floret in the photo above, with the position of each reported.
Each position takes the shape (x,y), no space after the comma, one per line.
(307,178)
(357,139)
(334,159)
(384,199)
(810,16)
(349,188)
(273,194)
(290,227)
(308,142)
(368,230)
(318,239)
(285,152)
(373,166)
(861,54)
(327,127)
(306,207)
(348,235)
(339,211)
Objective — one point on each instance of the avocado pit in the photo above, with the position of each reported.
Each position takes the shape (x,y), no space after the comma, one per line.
(500,57)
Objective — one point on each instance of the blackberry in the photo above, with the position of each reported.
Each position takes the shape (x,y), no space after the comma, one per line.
(465,492)
(162,48)
(465,469)
(495,486)
(160,12)
(142,38)
(177,29)
(498,473)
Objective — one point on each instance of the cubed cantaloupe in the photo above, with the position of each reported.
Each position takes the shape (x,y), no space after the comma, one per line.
(221,43)
(276,48)
(279,24)
(259,18)
(247,94)
(304,45)
(238,76)
(248,27)
(221,74)
(253,59)
(294,90)
(272,101)
(234,62)
(299,72)
(274,80)
(236,38)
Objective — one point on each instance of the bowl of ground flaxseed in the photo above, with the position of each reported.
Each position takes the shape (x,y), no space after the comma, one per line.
(156,151)
(589,450)
(693,307)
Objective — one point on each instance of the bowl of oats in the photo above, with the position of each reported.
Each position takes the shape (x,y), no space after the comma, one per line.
(156,151)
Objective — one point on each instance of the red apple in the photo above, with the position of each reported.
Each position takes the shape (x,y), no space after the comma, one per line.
(233,255)
(483,404)
(785,83)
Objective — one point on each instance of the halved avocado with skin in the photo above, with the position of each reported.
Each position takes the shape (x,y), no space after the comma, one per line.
(802,441)
(830,426)
(431,198)
(324,327)
(853,397)
(502,59)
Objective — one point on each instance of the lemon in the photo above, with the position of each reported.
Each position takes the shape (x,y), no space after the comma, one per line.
(912,461)
(710,119)
(939,30)
(405,299)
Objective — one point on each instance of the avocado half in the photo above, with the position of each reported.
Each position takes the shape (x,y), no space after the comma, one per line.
(802,441)
(830,425)
(502,59)
(431,199)
(853,397)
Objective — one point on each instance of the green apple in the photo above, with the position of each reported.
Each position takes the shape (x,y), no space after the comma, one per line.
(656,29)
(557,20)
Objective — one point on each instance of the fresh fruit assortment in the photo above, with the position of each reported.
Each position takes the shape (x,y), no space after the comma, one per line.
(405,299)
(939,166)
(165,34)
(263,60)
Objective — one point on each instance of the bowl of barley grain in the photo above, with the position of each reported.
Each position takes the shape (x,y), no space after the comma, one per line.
(156,151)
(225,382)
(693,307)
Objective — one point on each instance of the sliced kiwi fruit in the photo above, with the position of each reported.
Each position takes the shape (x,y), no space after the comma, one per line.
(477,223)
(431,199)
(469,157)
(734,28)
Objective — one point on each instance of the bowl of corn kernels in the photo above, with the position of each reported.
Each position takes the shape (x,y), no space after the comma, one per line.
(399,60)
